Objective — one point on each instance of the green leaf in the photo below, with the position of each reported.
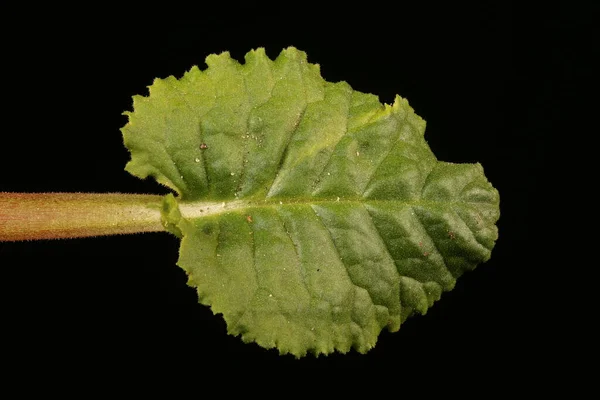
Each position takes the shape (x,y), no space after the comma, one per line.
(311,215)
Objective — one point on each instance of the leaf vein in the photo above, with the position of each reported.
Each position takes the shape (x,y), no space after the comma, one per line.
(182,96)
(385,245)
(284,153)
(326,164)
(242,175)
(168,149)
(471,230)
(256,275)
(295,245)
(387,154)
(435,246)
(340,256)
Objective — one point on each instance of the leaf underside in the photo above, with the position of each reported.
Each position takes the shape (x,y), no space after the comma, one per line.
(310,215)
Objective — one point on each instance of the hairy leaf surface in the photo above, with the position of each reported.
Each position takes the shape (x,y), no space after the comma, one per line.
(311,215)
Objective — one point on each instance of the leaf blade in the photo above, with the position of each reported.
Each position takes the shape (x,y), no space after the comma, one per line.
(311,216)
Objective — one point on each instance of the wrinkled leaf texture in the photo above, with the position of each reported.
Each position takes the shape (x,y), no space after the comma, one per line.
(310,215)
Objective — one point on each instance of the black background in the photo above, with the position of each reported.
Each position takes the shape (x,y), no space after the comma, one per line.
(480,81)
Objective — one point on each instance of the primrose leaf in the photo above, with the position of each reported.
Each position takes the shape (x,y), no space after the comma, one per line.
(311,215)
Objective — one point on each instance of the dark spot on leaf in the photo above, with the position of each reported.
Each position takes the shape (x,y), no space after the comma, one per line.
(207,229)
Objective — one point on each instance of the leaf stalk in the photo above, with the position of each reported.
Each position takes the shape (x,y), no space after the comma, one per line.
(35,216)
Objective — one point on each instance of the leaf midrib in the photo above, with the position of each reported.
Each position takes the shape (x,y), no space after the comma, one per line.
(198,209)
